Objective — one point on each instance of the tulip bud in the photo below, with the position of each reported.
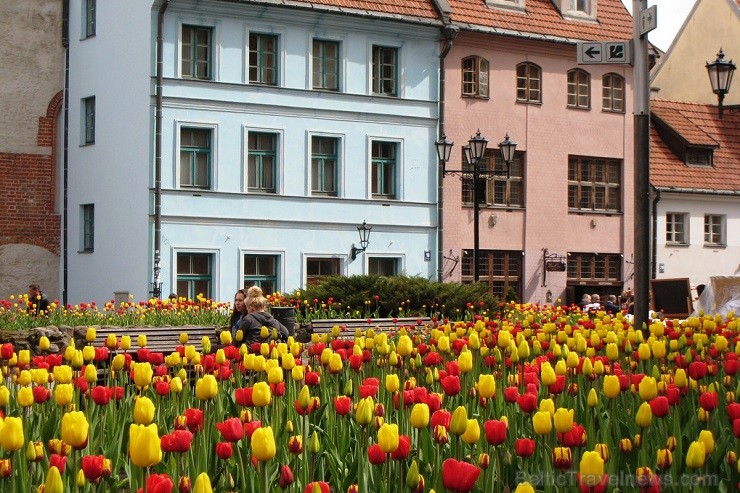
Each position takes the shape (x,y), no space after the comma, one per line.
(412,476)
(314,445)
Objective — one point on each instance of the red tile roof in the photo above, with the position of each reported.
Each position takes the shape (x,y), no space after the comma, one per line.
(540,18)
(543,18)
(698,124)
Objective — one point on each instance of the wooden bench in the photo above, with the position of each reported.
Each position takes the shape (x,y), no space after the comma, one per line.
(348,327)
(158,339)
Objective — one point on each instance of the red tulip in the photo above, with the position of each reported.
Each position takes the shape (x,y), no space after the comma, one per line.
(311,377)
(732,366)
(323,486)
(404,448)
(368,391)
(698,369)
(251,426)
(559,385)
(243,397)
(511,394)
(224,450)
(162,388)
(194,419)
(451,384)
(286,477)
(733,411)
(659,406)
(184,485)
(6,468)
(101,395)
(495,431)
(459,476)
(524,447)
(159,483)
(7,350)
(440,417)
(709,401)
(736,428)
(342,405)
(92,467)
(41,394)
(178,441)
(375,454)
(527,402)
(58,461)
(576,437)
(231,429)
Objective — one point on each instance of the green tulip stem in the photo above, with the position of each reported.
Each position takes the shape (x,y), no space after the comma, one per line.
(265,486)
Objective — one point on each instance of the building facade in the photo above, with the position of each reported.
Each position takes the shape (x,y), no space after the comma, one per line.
(283,129)
(560,224)
(31,96)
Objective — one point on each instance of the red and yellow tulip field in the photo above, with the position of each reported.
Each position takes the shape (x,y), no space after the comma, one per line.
(539,398)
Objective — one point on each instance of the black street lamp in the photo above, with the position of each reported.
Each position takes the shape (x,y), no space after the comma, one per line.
(720,75)
(364,231)
(474,152)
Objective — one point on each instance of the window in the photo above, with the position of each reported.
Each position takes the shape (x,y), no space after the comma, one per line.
(87,213)
(384,266)
(528,83)
(598,267)
(496,188)
(696,156)
(194,275)
(500,270)
(324,159)
(88,108)
(384,170)
(385,70)
(676,225)
(325,65)
(714,230)
(583,6)
(594,184)
(613,93)
(90,17)
(579,89)
(475,77)
(261,162)
(195,157)
(262,271)
(263,59)
(196,52)
(316,268)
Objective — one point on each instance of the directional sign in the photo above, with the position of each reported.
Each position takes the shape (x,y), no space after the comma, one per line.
(648,20)
(604,52)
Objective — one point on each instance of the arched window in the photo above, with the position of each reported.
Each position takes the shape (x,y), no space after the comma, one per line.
(579,89)
(613,93)
(475,77)
(528,83)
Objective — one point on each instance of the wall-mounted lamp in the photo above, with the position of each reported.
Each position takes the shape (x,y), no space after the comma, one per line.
(364,231)
(548,296)
(720,75)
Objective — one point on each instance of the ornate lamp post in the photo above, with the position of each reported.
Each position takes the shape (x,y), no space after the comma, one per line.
(364,231)
(720,75)
(474,152)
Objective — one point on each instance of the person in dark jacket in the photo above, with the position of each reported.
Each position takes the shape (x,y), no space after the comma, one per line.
(258,317)
(239,312)
(38,303)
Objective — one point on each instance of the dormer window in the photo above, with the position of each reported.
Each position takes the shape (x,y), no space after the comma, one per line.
(576,9)
(507,4)
(697,156)
(580,6)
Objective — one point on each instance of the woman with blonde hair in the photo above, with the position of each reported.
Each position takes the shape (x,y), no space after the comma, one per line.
(258,317)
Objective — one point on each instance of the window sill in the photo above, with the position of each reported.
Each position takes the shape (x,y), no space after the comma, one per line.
(87,144)
(525,101)
(475,96)
(677,245)
(715,245)
(618,112)
(85,251)
(582,108)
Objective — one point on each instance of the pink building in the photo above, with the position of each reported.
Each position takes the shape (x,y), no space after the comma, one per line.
(561,224)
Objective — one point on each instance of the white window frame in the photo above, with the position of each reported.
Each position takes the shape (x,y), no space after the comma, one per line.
(340,162)
(215,41)
(85,7)
(399,167)
(686,231)
(341,62)
(343,261)
(83,224)
(723,230)
(400,257)
(216,272)
(83,119)
(280,254)
(270,30)
(213,127)
(518,5)
(279,155)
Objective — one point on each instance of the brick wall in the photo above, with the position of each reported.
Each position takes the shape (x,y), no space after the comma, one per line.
(27,188)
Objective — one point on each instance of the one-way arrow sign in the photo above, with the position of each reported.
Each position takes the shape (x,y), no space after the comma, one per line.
(590,53)
(604,52)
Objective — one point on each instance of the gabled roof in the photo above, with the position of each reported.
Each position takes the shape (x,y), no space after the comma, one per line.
(696,125)
(541,17)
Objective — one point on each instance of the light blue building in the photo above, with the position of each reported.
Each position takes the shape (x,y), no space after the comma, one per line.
(283,128)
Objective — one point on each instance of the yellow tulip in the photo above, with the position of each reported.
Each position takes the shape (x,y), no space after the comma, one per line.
(459,421)
(611,386)
(90,334)
(75,429)
(111,341)
(392,384)
(142,374)
(63,394)
(404,346)
(44,343)
(62,374)
(335,363)
(563,420)
(388,437)
(144,445)
(263,444)
(40,376)
(591,469)
(364,411)
(524,488)
(593,398)
(225,337)
(118,361)
(680,378)
(53,482)
(206,387)
(297,373)
(12,437)
(141,340)
(88,353)
(472,432)
(143,410)
(648,388)
(706,437)
(24,378)
(4,395)
(547,374)
(202,484)
(24,396)
(547,405)
(696,455)
(465,361)
(644,415)
(275,375)
(420,415)
(542,422)
(125,343)
(314,445)
(261,394)
(486,385)
(91,374)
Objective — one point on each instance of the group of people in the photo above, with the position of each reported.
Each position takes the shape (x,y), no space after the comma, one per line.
(250,315)
(592,303)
